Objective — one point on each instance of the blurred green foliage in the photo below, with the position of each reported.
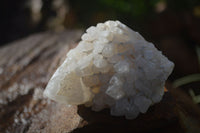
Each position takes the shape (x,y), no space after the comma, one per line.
(139,7)
(113,9)
(131,12)
(133,7)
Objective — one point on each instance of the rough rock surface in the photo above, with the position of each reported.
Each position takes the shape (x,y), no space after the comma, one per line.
(27,65)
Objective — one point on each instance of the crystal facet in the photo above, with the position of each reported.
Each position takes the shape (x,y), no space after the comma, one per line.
(112,67)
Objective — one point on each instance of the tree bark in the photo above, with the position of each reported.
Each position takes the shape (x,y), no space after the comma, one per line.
(27,65)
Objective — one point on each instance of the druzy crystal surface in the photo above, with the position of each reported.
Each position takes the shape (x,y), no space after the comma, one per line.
(112,67)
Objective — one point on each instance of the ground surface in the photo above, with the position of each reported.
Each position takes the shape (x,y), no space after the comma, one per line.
(25,68)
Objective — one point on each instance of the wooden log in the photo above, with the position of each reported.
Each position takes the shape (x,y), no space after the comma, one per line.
(27,65)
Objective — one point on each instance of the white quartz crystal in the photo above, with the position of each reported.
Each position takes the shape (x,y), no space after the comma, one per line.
(112,67)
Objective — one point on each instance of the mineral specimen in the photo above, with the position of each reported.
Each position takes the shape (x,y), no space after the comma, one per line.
(112,67)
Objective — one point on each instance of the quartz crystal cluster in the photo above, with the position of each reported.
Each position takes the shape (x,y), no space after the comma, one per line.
(112,67)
